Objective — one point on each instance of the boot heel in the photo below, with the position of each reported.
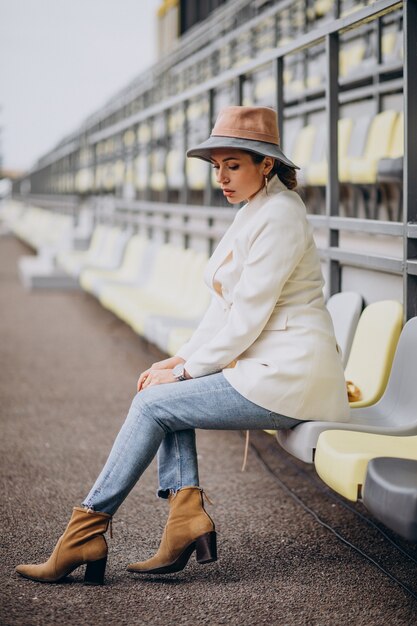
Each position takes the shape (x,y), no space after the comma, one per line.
(206,548)
(94,572)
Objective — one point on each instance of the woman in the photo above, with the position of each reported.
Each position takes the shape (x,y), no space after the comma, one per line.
(263,357)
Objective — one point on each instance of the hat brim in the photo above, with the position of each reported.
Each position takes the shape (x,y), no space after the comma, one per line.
(203,150)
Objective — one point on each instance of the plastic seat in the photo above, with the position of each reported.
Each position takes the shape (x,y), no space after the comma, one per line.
(194,301)
(158,296)
(317,153)
(162,298)
(345,309)
(350,58)
(74,260)
(342,457)
(356,145)
(317,172)
(107,252)
(94,280)
(373,349)
(393,414)
(391,168)
(197,173)
(364,170)
(390,494)
(39,227)
(303,146)
(175,171)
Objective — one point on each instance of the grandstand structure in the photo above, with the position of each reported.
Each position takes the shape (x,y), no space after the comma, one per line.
(340,75)
(118,196)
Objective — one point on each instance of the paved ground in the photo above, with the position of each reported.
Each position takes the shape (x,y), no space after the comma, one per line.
(68,371)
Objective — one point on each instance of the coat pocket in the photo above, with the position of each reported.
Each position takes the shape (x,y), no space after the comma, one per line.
(277,321)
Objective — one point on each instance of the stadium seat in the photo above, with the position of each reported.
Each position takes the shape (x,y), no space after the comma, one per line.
(317,154)
(390,494)
(192,306)
(342,457)
(197,173)
(10,212)
(167,278)
(175,169)
(350,58)
(373,349)
(317,171)
(106,251)
(303,145)
(390,169)
(94,280)
(394,413)
(40,228)
(363,170)
(356,145)
(345,309)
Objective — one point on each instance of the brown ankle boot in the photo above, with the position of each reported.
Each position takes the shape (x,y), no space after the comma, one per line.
(82,543)
(189,528)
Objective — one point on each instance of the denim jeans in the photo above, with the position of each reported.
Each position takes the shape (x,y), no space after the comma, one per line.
(162,420)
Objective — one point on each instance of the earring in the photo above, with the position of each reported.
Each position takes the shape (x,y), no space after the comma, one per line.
(266,184)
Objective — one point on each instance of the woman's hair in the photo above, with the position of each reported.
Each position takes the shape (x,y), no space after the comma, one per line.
(285,173)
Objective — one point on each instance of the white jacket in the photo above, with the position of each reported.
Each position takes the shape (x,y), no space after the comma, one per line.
(269,315)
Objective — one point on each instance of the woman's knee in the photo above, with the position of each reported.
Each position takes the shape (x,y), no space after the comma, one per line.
(146,406)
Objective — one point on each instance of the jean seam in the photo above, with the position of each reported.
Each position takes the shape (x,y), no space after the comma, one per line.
(178,457)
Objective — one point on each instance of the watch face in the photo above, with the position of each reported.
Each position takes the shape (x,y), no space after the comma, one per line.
(178,370)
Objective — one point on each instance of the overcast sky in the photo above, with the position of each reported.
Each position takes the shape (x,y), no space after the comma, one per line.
(60,60)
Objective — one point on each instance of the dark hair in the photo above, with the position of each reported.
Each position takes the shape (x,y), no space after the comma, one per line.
(285,173)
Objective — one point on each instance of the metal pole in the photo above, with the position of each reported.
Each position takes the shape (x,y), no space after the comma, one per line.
(410,154)
(332,187)
(279,95)
(208,192)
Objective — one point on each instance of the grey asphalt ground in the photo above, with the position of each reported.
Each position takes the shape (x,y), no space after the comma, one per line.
(68,370)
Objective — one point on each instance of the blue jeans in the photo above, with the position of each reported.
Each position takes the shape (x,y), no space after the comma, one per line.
(162,420)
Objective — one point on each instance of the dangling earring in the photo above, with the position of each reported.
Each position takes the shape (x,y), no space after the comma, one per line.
(266,184)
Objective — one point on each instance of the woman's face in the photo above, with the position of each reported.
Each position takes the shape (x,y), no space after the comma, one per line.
(238,176)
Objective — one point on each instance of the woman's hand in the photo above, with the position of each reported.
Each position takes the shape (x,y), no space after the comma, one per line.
(157,377)
(165,365)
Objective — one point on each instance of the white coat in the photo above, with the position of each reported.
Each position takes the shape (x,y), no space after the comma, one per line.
(268,313)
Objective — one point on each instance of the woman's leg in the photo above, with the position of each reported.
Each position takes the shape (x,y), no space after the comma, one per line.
(177,462)
(209,402)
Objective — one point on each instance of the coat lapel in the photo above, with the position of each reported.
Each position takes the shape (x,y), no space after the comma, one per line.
(223,251)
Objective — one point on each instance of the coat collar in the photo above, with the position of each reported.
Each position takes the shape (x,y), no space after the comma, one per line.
(243,216)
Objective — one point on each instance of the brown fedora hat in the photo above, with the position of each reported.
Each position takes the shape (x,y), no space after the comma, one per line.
(246,128)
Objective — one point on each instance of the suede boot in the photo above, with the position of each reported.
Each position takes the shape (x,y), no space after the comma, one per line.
(82,543)
(189,528)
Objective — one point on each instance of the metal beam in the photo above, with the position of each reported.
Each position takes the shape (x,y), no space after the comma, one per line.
(332,187)
(304,41)
(367,261)
(410,153)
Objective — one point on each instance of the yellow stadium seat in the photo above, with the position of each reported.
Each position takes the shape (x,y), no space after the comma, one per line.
(396,148)
(168,276)
(364,169)
(373,350)
(197,172)
(93,280)
(175,171)
(106,248)
(317,172)
(191,307)
(321,7)
(342,457)
(350,58)
(302,148)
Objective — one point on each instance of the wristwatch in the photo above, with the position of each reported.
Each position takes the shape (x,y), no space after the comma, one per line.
(179,372)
